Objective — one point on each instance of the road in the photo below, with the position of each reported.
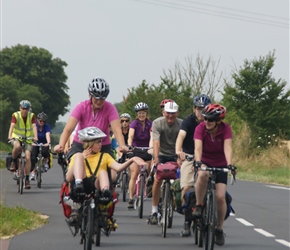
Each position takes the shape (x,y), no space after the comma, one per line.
(261,220)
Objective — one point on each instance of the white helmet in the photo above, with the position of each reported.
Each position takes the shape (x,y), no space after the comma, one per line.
(99,88)
(125,115)
(90,134)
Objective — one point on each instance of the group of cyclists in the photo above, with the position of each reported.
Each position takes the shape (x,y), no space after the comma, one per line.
(24,124)
(202,134)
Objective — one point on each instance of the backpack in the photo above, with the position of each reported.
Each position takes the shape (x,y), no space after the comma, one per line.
(177,196)
(229,206)
(64,192)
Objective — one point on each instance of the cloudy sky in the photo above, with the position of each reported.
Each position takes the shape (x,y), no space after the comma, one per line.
(127,41)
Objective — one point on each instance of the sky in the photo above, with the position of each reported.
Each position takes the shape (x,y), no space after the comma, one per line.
(127,41)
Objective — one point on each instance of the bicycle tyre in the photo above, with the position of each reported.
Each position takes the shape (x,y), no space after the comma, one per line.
(170,209)
(211,221)
(38,171)
(198,233)
(141,196)
(89,230)
(124,186)
(21,176)
(97,228)
(165,209)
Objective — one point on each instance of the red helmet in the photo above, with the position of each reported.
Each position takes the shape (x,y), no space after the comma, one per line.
(214,111)
(163,102)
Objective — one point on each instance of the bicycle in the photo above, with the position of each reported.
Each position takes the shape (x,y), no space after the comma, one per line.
(93,218)
(123,178)
(204,227)
(40,164)
(21,162)
(166,205)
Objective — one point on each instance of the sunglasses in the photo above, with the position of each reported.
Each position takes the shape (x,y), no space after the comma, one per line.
(124,121)
(41,121)
(24,108)
(210,119)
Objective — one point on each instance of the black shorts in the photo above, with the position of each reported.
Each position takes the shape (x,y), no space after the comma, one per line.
(221,177)
(164,159)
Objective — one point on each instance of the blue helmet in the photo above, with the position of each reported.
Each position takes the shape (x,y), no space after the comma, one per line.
(25,104)
(201,100)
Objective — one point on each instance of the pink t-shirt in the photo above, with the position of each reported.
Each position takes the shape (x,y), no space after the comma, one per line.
(213,148)
(83,112)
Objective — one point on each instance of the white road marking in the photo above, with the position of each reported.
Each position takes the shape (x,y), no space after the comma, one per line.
(246,223)
(265,233)
(278,187)
(284,242)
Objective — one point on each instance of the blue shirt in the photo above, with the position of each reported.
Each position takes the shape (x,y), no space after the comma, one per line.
(41,134)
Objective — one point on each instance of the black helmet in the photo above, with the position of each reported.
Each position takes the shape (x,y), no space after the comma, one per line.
(42,116)
(201,100)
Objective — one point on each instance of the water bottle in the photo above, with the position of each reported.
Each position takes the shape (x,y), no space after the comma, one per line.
(178,173)
(68,200)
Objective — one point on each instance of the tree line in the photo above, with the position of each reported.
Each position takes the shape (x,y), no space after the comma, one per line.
(252,96)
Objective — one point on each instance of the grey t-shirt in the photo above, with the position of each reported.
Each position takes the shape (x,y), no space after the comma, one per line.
(166,134)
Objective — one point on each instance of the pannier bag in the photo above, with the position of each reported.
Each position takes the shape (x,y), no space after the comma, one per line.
(167,170)
(64,192)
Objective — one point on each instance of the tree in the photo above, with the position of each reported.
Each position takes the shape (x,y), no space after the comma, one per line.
(38,77)
(181,84)
(259,100)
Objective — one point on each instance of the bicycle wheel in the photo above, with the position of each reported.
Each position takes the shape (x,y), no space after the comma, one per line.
(38,172)
(89,230)
(21,176)
(170,209)
(141,196)
(124,185)
(97,228)
(211,220)
(198,235)
(165,207)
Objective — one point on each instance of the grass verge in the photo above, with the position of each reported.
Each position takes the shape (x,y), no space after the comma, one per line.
(16,220)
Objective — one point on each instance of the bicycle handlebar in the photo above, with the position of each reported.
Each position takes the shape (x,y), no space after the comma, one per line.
(23,138)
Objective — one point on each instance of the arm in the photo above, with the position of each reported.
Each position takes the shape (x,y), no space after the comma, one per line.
(120,166)
(156,149)
(116,129)
(178,144)
(228,150)
(67,131)
(12,125)
(131,136)
(35,132)
(198,149)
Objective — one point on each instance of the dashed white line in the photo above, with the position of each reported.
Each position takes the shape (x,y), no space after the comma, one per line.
(265,233)
(283,242)
(246,223)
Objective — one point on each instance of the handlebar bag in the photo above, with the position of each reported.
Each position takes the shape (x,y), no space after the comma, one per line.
(167,170)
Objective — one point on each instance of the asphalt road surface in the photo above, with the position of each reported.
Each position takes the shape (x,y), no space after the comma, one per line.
(261,220)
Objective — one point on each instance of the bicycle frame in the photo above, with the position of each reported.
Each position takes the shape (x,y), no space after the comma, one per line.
(40,165)
(140,190)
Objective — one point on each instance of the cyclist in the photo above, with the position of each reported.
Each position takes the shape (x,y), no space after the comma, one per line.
(213,147)
(164,132)
(185,146)
(125,125)
(163,102)
(43,134)
(23,124)
(92,138)
(95,112)
(139,136)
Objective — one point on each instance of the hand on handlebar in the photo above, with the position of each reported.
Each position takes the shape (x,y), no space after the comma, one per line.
(58,148)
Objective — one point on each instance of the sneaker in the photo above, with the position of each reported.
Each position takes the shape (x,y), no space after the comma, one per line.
(13,166)
(196,213)
(15,176)
(73,218)
(130,204)
(153,220)
(27,184)
(32,176)
(79,187)
(219,237)
(46,167)
(106,193)
(186,231)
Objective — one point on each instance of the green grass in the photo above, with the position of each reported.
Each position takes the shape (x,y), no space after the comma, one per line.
(16,220)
